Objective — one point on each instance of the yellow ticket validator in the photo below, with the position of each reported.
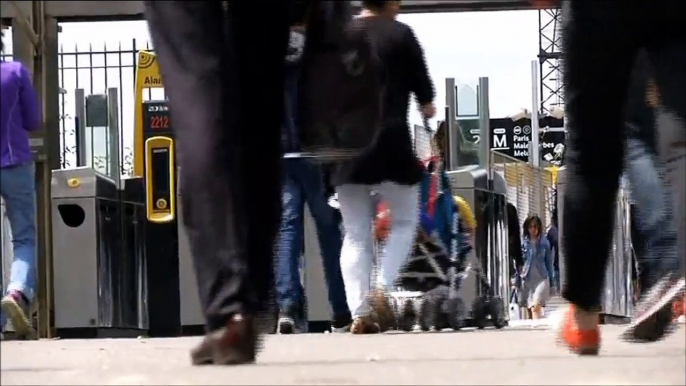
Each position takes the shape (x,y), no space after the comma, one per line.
(160,179)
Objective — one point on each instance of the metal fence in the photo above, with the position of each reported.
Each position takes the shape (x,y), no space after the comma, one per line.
(530,189)
(95,69)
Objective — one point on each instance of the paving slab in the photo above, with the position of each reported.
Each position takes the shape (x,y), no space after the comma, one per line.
(516,356)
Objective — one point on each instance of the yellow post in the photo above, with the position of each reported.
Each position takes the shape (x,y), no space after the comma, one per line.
(147,76)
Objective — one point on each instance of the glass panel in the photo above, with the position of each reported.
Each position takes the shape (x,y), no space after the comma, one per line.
(97,149)
(469,136)
(467,95)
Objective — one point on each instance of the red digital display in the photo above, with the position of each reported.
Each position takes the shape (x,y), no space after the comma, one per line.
(156,116)
(159,122)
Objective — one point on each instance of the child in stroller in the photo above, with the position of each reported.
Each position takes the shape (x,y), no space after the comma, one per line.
(431,279)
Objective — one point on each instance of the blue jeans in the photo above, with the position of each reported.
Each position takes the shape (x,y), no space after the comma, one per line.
(654,211)
(18,189)
(303,183)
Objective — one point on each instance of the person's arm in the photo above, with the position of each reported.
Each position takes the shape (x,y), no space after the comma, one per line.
(28,99)
(418,73)
(549,265)
(523,253)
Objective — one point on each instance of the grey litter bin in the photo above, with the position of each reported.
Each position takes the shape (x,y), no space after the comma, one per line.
(91,271)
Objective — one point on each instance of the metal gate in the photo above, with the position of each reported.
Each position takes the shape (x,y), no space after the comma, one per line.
(529,188)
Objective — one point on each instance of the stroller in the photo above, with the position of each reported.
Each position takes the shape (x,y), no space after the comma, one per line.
(432,277)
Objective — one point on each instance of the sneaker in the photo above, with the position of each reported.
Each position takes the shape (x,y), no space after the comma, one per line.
(17,308)
(364,325)
(578,330)
(382,310)
(287,325)
(654,315)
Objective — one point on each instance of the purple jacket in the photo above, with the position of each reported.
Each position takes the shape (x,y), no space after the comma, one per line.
(20,113)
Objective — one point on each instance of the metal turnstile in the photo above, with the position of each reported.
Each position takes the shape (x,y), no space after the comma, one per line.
(618,290)
(489,203)
(189,307)
(312,276)
(99,279)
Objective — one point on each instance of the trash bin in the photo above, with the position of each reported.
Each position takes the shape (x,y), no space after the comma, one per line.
(93,276)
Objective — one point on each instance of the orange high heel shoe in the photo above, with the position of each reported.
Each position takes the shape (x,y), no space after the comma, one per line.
(579,341)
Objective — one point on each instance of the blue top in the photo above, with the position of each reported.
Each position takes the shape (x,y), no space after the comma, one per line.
(19,114)
(539,257)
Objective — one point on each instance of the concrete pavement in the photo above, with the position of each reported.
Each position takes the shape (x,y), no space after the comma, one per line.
(511,356)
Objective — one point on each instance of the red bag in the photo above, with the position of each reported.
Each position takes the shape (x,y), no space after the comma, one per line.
(382,223)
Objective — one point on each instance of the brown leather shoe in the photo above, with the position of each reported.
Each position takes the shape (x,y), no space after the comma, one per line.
(382,310)
(234,344)
(364,325)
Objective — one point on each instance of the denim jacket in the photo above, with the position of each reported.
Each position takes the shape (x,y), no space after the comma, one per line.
(541,256)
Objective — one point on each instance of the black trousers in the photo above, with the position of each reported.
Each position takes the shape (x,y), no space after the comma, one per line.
(601,40)
(223,73)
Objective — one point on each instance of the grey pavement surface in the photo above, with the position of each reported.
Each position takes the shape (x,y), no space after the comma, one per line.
(520,356)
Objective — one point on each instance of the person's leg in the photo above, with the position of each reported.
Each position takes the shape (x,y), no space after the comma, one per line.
(541,294)
(403,202)
(669,60)
(260,37)
(289,290)
(653,315)
(357,253)
(189,43)
(205,75)
(599,53)
(654,214)
(330,239)
(403,205)
(17,186)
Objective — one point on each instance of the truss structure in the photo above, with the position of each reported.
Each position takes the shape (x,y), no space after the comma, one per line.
(550,59)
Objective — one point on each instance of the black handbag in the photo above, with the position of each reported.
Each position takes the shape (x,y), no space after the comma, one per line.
(342,85)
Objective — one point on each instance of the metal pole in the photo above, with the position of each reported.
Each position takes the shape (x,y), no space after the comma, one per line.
(113,127)
(80,117)
(451,127)
(484,126)
(45,145)
(534,154)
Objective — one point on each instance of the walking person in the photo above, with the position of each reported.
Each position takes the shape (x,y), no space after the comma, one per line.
(303,182)
(20,113)
(222,66)
(389,168)
(538,276)
(601,40)
(552,237)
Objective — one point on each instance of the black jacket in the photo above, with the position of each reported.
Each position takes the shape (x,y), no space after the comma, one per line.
(392,157)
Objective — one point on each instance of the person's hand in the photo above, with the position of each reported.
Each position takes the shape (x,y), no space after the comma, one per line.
(428,110)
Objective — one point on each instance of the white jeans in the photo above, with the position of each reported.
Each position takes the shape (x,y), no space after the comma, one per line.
(357,256)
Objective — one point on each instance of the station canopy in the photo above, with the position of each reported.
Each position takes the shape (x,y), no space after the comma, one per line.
(128,10)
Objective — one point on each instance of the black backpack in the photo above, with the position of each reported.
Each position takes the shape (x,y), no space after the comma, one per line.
(342,85)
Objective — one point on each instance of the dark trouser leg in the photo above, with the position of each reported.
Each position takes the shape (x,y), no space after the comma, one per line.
(329,236)
(599,57)
(261,39)
(213,105)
